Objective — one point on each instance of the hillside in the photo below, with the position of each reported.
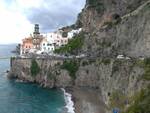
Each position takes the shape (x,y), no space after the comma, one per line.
(116,27)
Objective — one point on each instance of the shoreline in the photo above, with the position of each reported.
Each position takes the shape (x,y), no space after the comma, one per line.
(80,99)
(87,100)
(68,100)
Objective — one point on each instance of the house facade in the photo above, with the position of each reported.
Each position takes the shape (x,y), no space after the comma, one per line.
(57,39)
(26,45)
(47,46)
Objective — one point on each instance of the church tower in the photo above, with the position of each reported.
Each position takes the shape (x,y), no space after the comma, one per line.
(36,29)
(36,37)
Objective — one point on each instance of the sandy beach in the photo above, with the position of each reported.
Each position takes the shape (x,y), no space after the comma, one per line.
(87,100)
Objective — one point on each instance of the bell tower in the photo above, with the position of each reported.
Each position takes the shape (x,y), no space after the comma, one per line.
(36,29)
(36,37)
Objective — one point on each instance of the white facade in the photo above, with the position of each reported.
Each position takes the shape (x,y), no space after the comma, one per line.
(57,39)
(72,33)
(47,46)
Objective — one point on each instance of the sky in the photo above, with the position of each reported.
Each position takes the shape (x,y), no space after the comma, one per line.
(17,17)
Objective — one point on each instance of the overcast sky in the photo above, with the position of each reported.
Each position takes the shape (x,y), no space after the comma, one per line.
(17,17)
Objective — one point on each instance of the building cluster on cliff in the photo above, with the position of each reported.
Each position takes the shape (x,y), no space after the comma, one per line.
(45,43)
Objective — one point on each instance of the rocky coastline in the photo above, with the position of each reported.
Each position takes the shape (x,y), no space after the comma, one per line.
(96,81)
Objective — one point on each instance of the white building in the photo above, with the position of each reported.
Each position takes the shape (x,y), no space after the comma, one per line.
(57,39)
(72,33)
(47,46)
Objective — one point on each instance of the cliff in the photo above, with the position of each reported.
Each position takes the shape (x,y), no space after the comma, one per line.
(108,76)
(49,74)
(116,27)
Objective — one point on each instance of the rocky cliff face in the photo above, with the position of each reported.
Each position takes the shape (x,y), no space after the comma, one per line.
(49,76)
(129,35)
(108,76)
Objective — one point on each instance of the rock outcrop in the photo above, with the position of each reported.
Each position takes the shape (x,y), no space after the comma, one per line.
(49,76)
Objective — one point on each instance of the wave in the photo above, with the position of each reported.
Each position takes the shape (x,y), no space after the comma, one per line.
(69,103)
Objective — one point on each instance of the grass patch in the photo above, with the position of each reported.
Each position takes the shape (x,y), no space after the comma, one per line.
(71,66)
(35,69)
(73,46)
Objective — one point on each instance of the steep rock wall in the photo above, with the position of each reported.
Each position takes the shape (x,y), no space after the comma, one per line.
(129,36)
(105,75)
(49,76)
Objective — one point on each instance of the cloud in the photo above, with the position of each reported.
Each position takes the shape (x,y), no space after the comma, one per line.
(19,16)
(13,25)
(53,14)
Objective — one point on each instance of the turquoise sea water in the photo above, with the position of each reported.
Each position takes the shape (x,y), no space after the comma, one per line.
(18,97)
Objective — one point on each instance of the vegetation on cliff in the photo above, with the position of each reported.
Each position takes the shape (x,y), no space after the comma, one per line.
(118,99)
(71,66)
(73,45)
(97,5)
(146,76)
(35,69)
(145,64)
(141,102)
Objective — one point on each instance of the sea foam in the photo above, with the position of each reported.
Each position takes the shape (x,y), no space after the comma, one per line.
(69,103)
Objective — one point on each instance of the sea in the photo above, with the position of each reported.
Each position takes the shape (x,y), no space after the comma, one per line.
(19,97)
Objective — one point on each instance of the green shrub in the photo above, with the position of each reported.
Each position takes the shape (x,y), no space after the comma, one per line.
(92,2)
(73,45)
(141,102)
(106,61)
(71,66)
(118,99)
(146,75)
(97,5)
(116,66)
(35,69)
